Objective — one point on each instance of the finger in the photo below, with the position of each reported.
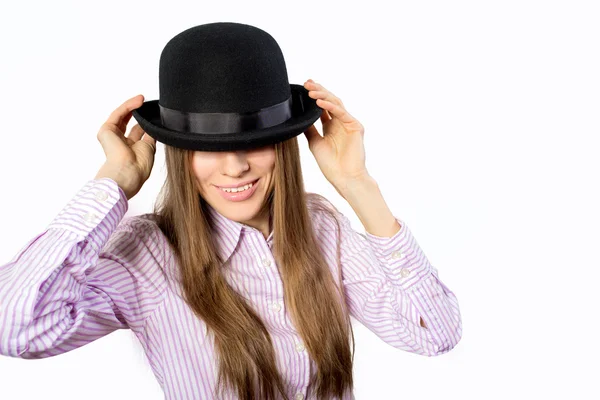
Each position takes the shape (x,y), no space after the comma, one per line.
(122,114)
(323,93)
(312,135)
(136,133)
(336,111)
(125,120)
(325,117)
(319,94)
(111,141)
(150,140)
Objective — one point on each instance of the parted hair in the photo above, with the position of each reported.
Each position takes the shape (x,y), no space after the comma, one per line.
(244,349)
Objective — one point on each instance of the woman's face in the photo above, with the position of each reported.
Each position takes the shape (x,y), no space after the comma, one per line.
(233,168)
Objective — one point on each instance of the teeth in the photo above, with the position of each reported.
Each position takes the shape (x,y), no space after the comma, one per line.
(240,189)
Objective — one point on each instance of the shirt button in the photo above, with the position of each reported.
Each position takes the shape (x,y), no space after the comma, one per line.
(266,262)
(397,254)
(89,217)
(276,306)
(101,195)
(299,347)
(404,272)
(299,396)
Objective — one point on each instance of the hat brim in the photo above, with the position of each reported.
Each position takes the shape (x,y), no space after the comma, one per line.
(148,116)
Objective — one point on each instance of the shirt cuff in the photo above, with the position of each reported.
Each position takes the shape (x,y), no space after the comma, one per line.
(97,207)
(401,257)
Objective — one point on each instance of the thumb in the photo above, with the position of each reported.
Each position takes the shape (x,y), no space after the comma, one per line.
(110,141)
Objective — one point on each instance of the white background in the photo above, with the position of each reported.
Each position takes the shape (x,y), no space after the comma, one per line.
(481,124)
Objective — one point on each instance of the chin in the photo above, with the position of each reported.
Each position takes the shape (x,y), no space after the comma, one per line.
(241,215)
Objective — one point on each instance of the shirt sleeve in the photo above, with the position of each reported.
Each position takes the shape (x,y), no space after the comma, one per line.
(82,278)
(390,284)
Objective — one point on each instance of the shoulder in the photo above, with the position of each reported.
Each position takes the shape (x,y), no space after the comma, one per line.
(143,233)
(324,215)
(133,260)
(141,225)
(147,220)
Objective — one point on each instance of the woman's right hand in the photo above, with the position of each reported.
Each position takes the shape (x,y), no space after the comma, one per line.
(129,160)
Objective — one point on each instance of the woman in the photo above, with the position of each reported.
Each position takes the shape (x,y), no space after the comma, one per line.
(233,293)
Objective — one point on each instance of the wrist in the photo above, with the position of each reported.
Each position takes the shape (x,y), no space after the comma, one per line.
(119,178)
(354,187)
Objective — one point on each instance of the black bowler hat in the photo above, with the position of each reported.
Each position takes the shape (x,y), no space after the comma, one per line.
(223,86)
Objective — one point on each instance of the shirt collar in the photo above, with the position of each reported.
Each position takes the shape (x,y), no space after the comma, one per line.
(228,233)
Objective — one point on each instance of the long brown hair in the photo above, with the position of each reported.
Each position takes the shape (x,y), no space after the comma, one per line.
(316,304)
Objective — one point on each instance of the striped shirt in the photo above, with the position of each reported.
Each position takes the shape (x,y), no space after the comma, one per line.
(93,271)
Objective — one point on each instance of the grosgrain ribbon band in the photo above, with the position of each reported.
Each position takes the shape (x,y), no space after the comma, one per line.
(226,122)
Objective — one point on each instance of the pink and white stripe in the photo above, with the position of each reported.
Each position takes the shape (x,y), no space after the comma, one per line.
(93,271)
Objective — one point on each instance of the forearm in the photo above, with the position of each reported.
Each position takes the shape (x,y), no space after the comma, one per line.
(366,200)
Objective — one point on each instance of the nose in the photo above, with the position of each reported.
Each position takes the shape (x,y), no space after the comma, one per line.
(235,163)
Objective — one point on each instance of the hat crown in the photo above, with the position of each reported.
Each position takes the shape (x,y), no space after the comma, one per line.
(222,67)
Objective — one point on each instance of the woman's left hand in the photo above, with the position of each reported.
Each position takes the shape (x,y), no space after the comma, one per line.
(340,152)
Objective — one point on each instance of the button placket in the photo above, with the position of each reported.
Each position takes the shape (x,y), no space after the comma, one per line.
(397,254)
(276,306)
